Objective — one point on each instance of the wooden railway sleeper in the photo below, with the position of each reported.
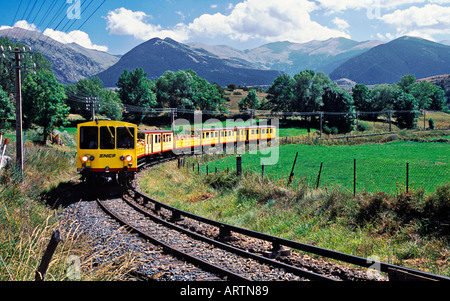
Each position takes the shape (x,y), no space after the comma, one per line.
(277,251)
(225,234)
(176,216)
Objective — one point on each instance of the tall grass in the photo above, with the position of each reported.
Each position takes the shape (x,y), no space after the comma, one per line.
(404,228)
(27,223)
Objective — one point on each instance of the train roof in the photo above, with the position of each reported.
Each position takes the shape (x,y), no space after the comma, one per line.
(233,128)
(155,131)
(106,122)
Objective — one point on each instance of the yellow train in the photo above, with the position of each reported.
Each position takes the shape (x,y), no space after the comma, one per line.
(115,150)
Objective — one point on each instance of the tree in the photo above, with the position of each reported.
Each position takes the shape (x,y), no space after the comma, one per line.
(281,93)
(405,106)
(7,81)
(383,97)
(6,109)
(44,102)
(137,90)
(339,101)
(110,105)
(185,89)
(406,82)
(428,96)
(251,101)
(79,92)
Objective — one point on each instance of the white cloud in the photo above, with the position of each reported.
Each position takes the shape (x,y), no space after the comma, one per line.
(341,23)
(76,36)
(268,20)
(21,24)
(123,21)
(424,21)
(339,5)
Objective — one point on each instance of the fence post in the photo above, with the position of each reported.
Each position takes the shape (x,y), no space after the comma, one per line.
(321,122)
(292,170)
(390,121)
(262,170)
(238,165)
(318,177)
(354,177)
(42,269)
(407,177)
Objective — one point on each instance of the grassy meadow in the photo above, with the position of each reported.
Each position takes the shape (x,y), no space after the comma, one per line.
(366,225)
(379,167)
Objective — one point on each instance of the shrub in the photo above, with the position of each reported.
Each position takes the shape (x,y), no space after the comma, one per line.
(363,127)
(431,123)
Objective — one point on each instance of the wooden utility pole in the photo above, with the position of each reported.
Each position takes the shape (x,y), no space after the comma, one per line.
(15,56)
(19,134)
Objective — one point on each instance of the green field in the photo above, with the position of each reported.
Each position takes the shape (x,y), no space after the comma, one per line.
(379,167)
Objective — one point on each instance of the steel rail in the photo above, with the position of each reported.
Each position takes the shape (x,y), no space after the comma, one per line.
(277,241)
(175,251)
(241,252)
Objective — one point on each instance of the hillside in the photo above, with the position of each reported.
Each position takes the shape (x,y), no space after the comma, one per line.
(292,58)
(71,62)
(157,56)
(387,63)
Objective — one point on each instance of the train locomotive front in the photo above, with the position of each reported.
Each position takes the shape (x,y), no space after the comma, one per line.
(107,151)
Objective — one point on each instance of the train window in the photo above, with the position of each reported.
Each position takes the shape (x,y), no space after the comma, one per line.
(107,139)
(125,138)
(253,132)
(217,134)
(89,137)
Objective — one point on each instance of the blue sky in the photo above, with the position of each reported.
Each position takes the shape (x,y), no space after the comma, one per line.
(117,26)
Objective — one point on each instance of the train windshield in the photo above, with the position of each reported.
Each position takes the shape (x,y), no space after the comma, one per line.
(107,139)
(89,137)
(125,137)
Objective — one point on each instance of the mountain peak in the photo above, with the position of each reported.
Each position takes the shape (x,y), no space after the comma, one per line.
(387,63)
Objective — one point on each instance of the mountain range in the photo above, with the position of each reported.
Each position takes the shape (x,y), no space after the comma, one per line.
(157,56)
(344,60)
(292,58)
(71,62)
(387,63)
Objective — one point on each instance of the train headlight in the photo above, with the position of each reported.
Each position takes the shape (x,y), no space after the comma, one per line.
(84,159)
(129,158)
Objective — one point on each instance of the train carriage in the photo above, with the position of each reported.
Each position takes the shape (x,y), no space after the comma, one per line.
(115,150)
(106,148)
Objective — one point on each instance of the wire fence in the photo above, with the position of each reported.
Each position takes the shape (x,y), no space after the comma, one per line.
(355,175)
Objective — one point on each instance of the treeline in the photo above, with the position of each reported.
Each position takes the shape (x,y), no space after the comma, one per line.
(309,91)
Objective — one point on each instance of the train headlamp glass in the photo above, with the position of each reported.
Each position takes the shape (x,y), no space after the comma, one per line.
(84,159)
(129,158)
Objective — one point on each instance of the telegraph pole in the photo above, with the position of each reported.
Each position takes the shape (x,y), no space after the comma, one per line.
(18,87)
(19,134)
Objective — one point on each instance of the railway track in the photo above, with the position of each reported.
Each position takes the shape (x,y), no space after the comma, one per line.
(225,261)
(190,247)
(269,249)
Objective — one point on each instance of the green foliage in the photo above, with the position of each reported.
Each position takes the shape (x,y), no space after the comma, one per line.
(431,123)
(7,81)
(362,98)
(137,90)
(110,105)
(6,109)
(251,101)
(186,90)
(281,93)
(338,100)
(405,102)
(44,102)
